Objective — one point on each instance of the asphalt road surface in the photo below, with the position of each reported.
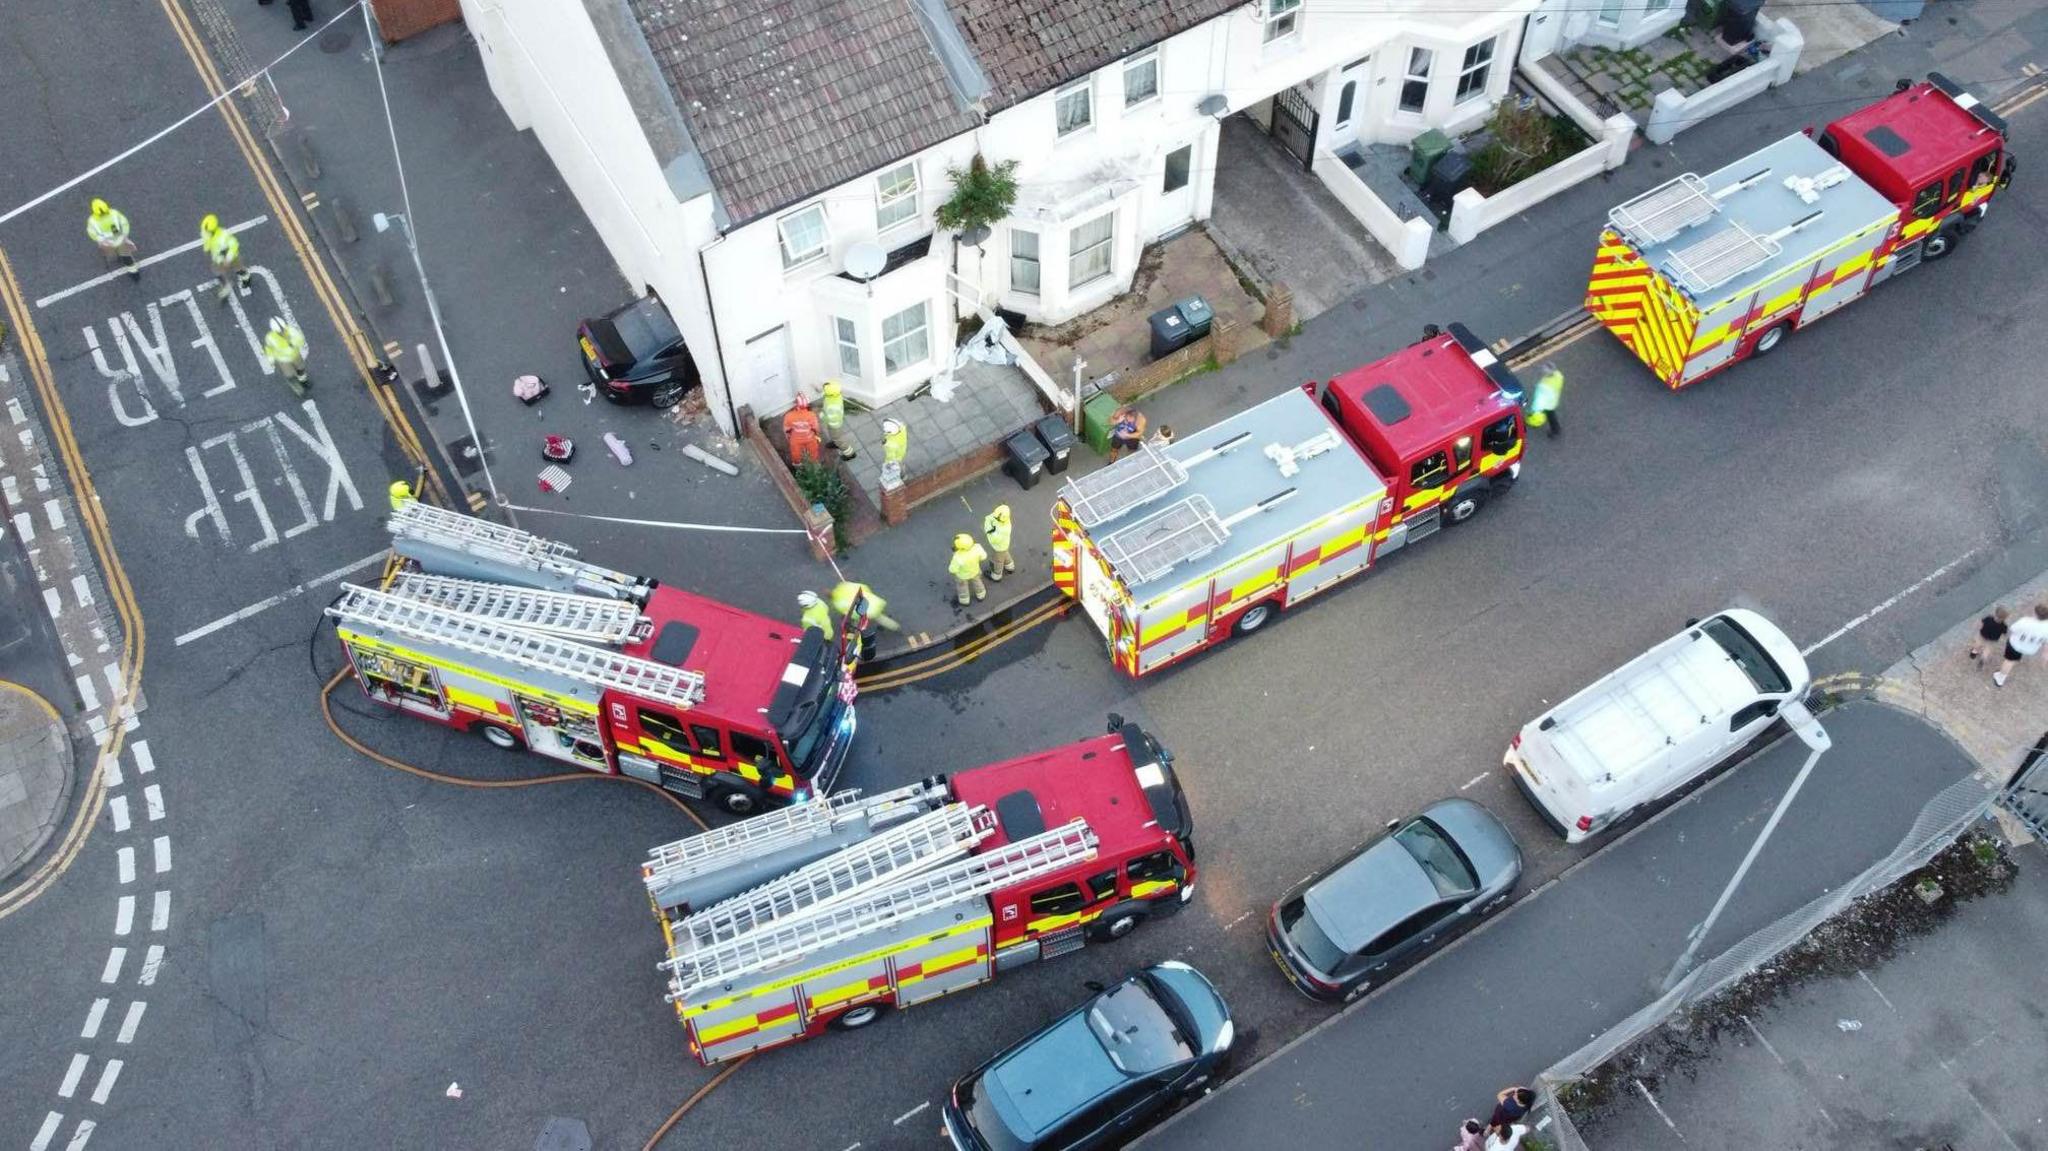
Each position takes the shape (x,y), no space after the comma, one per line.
(355,957)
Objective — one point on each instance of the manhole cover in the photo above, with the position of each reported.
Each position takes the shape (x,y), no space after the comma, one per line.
(336,39)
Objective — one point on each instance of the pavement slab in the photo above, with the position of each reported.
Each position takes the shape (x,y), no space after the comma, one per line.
(35,774)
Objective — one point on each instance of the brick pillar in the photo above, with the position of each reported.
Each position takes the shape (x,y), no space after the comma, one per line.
(1223,341)
(1279,311)
(818,522)
(895,503)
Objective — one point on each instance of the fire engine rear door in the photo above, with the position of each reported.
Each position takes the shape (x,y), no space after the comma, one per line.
(1097,587)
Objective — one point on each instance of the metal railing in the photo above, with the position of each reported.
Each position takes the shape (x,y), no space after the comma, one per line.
(1940,823)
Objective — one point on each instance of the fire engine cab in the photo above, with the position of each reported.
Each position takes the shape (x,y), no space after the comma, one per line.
(1703,272)
(1175,548)
(491,629)
(825,913)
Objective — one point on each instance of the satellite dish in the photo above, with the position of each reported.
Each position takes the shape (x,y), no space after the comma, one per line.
(865,260)
(1212,106)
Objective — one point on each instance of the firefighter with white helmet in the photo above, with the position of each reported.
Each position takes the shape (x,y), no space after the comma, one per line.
(815,613)
(285,347)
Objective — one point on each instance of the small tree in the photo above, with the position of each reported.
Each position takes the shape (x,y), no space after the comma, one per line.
(982,195)
(1521,144)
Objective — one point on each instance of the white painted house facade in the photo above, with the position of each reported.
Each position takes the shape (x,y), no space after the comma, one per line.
(707,155)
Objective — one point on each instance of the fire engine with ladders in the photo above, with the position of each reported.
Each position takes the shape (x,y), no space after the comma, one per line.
(824,913)
(1175,548)
(1704,272)
(492,629)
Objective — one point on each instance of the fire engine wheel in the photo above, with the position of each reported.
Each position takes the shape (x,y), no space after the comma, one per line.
(1771,338)
(667,395)
(733,801)
(1116,923)
(500,738)
(1464,505)
(1941,243)
(1253,619)
(858,1017)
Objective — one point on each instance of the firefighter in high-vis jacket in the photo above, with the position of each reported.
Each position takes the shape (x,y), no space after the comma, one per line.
(996,526)
(815,613)
(832,406)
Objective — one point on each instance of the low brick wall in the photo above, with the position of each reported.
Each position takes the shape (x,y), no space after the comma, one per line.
(399,19)
(951,474)
(772,461)
(1137,383)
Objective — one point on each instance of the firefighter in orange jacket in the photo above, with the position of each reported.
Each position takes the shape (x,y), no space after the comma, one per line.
(800,427)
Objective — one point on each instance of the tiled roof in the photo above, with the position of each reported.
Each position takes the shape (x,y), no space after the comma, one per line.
(787,98)
(1029,46)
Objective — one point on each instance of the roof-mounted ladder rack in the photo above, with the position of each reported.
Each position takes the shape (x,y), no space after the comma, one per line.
(514,549)
(1145,475)
(779,830)
(591,619)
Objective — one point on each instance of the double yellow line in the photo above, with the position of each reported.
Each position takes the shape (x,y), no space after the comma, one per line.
(966,653)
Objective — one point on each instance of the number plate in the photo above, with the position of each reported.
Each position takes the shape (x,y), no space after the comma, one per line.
(589,350)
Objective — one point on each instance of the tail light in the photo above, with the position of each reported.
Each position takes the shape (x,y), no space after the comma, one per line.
(1516,743)
(1585,823)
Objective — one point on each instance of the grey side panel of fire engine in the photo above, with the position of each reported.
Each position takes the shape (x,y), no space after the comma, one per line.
(1329,571)
(1849,288)
(1172,606)
(941,948)
(1729,313)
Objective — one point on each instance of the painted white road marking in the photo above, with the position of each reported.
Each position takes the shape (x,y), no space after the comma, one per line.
(53,601)
(112,674)
(144,762)
(152,962)
(1238,920)
(73,1075)
(124,915)
(25,527)
(113,968)
(47,1132)
(87,693)
(110,771)
(1866,617)
(161,845)
(263,605)
(145,262)
(898,1121)
(1760,1039)
(160,911)
(81,591)
(15,411)
(92,1019)
(133,1021)
(80,1136)
(54,512)
(153,796)
(313,435)
(126,858)
(108,1074)
(1477,779)
(118,808)
(1873,987)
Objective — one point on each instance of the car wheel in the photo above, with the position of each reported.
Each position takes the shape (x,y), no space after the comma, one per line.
(1464,505)
(858,1017)
(501,738)
(737,802)
(1252,620)
(1770,339)
(1116,923)
(666,395)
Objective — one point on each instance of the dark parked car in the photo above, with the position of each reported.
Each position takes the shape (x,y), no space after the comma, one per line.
(1401,896)
(1095,1076)
(637,354)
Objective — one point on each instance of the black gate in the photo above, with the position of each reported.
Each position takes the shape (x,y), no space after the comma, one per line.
(1294,124)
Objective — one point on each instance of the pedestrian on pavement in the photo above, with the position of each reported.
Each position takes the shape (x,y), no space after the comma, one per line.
(1990,632)
(1507,1139)
(800,428)
(815,613)
(2023,641)
(1126,431)
(1471,1136)
(895,446)
(224,252)
(301,10)
(833,408)
(1543,401)
(996,526)
(1508,1109)
(285,347)
(109,229)
(1162,438)
(965,565)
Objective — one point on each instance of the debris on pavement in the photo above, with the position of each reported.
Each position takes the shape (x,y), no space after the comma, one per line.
(709,460)
(619,450)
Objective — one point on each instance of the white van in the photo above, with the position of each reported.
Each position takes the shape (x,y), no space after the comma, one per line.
(1657,723)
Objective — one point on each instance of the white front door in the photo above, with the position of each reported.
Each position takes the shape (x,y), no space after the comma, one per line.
(1172,204)
(767,380)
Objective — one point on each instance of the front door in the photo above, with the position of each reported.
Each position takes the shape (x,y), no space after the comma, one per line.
(1173,207)
(767,381)
(1294,124)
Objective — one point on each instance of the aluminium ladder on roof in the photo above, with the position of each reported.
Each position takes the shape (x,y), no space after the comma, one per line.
(1665,210)
(1712,261)
(874,864)
(591,619)
(1137,479)
(976,876)
(360,607)
(1155,545)
(514,547)
(775,831)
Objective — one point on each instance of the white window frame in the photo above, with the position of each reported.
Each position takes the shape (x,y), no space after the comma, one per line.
(792,260)
(889,200)
(1085,89)
(1483,69)
(846,335)
(1036,259)
(1609,15)
(1074,254)
(923,331)
(1410,76)
(1148,59)
(1166,170)
(1280,18)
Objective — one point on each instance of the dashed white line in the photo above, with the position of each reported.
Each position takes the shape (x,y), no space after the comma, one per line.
(11,490)
(79,1137)
(1477,779)
(81,591)
(1238,920)
(108,1074)
(87,693)
(263,605)
(92,1019)
(53,601)
(125,858)
(47,1132)
(160,911)
(1654,1106)
(113,969)
(153,797)
(54,512)
(161,845)
(129,1024)
(124,915)
(25,527)
(1866,617)
(898,1121)
(15,412)
(73,1075)
(1881,995)
(144,762)
(113,673)
(1760,1039)
(111,771)
(152,961)
(118,808)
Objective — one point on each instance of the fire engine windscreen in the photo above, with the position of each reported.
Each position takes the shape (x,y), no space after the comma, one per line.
(806,713)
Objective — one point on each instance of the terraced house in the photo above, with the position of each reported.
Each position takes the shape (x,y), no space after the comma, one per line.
(770,168)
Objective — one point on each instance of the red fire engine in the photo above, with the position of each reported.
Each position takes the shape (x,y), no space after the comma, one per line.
(1705,271)
(825,913)
(1174,548)
(491,629)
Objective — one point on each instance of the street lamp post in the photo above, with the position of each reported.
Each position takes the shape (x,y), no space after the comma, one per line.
(1815,737)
